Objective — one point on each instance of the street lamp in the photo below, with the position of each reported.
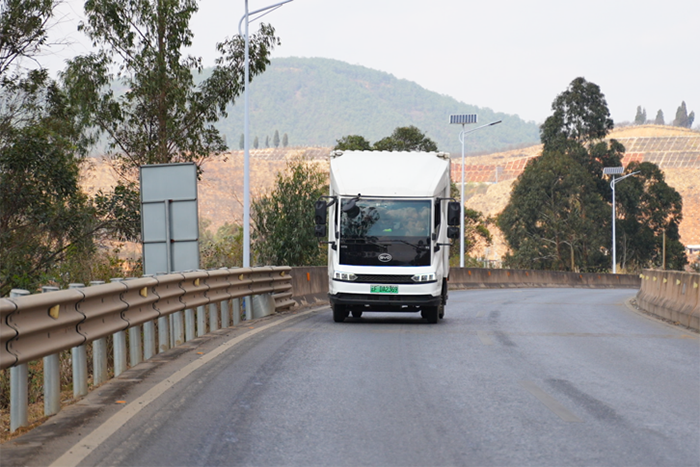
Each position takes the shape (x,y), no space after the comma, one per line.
(463,120)
(615,171)
(246,139)
(246,145)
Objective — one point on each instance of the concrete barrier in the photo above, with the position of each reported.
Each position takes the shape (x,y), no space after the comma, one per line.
(672,295)
(310,284)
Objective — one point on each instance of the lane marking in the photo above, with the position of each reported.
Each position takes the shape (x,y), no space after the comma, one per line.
(484,337)
(89,443)
(550,402)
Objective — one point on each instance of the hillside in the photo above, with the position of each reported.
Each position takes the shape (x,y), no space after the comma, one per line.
(316,101)
(676,150)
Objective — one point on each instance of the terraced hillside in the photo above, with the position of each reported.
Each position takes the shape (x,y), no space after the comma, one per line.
(489,178)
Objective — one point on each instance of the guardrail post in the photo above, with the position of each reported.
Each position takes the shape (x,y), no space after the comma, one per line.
(135,346)
(19,386)
(79,360)
(236,306)
(119,344)
(189,324)
(178,330)
(163,334)
(149,340)
(213,317)
(224,314)
(52,377)
(201,321)
(99,355)
(248,305)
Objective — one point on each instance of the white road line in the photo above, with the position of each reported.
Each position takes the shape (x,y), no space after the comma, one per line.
(89,443)
(549,401)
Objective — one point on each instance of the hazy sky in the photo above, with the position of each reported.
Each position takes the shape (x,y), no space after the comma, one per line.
(513,56)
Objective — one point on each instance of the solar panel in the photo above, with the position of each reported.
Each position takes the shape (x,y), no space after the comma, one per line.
(463,119)
(613,170)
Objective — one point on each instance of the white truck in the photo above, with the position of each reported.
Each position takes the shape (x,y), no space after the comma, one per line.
(390,218)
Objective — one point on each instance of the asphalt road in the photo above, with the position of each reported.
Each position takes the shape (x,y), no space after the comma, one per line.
(512,377)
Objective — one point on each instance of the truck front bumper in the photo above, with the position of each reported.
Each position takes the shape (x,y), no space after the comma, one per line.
(384,302)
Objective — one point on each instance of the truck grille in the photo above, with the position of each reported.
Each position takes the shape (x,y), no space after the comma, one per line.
(384,279)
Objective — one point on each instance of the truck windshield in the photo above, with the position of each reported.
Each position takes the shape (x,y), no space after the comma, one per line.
(380,232)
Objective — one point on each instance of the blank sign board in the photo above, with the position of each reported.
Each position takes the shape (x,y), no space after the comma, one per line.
(169,221)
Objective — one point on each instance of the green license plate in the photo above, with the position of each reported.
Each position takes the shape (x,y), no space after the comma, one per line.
(384,289)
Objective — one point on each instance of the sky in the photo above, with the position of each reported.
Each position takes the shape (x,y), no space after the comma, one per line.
(513,56)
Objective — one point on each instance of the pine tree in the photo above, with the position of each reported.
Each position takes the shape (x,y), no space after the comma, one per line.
(241,142)
(681,116)
(276,139)
(256,143)
(285,140)
(641,116)
(659,118)
(267,141)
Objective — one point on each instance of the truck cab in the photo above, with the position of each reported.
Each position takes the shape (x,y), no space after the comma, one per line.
(388,220)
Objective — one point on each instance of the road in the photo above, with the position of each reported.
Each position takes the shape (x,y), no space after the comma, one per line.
(511,377)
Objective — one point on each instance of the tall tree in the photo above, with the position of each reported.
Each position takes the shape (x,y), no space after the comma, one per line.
(256,142)
(162,116)
(276,139)
(659,120)
(44,215)
(641,117)
(285,140)
(241,142)
(681,116)
(283,220)
(556,217)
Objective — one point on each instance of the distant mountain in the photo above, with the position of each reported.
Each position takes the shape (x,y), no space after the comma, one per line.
(316,101)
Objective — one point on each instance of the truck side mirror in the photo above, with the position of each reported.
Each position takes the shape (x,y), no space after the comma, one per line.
(453,212)
(320,231)
(321,213)
(453,233)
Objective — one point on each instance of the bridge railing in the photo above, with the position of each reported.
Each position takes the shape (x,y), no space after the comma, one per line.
(43,325)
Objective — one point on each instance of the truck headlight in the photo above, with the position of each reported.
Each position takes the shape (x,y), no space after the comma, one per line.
(344,276)
(424,277)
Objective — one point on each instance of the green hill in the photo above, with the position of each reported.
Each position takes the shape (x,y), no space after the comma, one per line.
(316,101)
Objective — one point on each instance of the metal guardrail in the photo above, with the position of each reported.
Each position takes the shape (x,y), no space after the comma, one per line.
(42,325)
(35,326)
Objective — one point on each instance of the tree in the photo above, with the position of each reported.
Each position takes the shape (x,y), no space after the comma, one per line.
(241,142)
(659,120)
(557,215)
(276,139)
(352,143)
(681,116)
(691,119)
(256,143)
(283,220)
(641,117)
(44,215)
(648,208)
(407,138)
(267,141)
(285,140)
(580,115)
(162,117)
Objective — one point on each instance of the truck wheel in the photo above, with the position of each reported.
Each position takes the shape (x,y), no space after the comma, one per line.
(430,313)
(356,314)
(339,313)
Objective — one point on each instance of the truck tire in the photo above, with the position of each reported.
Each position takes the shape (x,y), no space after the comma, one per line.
(431,314)
(339,313)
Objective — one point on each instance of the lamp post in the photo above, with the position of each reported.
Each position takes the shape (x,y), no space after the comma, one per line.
(615,171)
(246,144)
(463,120)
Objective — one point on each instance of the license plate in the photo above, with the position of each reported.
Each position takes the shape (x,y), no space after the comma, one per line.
(384,289)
